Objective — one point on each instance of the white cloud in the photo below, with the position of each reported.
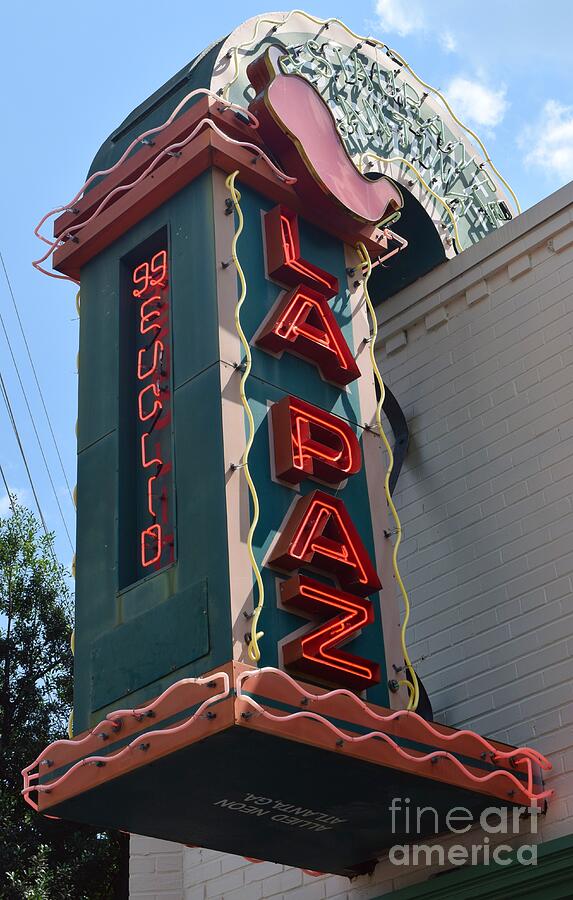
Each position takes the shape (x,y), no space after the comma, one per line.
(396,17)
(549,142)
(448,41)
(473,101)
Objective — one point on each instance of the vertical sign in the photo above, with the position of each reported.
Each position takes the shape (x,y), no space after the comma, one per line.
(146,461)
(310,443)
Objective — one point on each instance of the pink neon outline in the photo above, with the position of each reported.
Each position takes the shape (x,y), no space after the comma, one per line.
(529,756)
(152,530)
(287,179)
(30,776)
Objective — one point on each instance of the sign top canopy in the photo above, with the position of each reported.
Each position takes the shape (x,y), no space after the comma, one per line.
(390,120)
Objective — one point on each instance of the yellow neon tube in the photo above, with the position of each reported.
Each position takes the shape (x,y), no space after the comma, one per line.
(254,652)
(412,684)
(437,198)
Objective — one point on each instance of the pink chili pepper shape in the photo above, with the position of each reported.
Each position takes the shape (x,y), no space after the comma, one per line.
(297,123)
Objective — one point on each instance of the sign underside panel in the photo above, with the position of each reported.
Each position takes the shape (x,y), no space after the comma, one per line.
(321,811)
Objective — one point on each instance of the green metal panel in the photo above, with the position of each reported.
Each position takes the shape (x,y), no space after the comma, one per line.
(193,264)
(155,606)
(180,630)
(201,507)
(99,338)
(96,567)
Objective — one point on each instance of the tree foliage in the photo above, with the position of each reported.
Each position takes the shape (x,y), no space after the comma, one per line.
(39,857)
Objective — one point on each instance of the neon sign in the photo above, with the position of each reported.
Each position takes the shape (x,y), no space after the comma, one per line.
(381,114)
(284,261)
(303,323)
(310,443)
(319,534)
(319,650)
(152,491)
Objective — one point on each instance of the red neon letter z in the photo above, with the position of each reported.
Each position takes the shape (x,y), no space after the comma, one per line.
(318,653)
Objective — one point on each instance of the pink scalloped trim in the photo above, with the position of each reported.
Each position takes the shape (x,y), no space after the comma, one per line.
(521,755)
(141,743)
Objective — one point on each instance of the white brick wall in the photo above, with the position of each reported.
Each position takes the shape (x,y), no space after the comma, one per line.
(479,354)
(155,869)
(486,494)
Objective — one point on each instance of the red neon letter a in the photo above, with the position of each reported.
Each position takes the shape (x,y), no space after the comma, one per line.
(320,534)
(303,323)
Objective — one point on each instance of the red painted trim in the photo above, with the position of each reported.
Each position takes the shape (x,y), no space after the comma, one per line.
(172,175)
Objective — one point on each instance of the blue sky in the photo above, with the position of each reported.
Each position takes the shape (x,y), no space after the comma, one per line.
(72,72)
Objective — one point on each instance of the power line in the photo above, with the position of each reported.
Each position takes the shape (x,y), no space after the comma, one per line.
(8,494)
(26,466)
(34,427)
(11,499)
(8,282)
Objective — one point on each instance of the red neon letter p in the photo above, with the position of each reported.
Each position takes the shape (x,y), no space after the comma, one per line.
(311,443)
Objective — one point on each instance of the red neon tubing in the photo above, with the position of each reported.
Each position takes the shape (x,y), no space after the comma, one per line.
(324,550)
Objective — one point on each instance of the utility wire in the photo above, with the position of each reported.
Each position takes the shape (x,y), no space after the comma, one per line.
(8,282)
(8,494)
(21,383)
(26,466)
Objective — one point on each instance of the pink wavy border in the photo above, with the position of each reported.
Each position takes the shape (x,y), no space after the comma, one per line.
(168,151)
(140,743)
(520,755)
